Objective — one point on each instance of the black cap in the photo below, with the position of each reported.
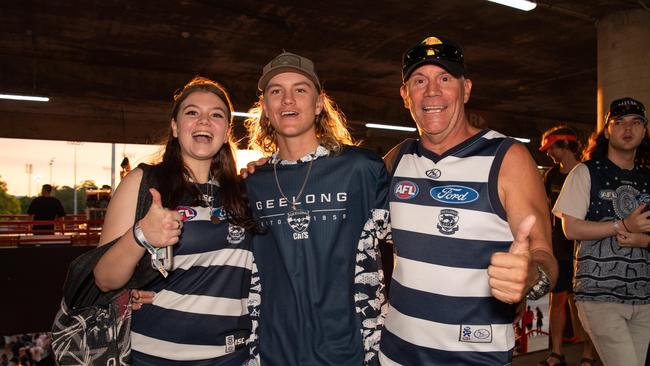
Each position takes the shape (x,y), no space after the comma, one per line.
(434,50)
(625,106)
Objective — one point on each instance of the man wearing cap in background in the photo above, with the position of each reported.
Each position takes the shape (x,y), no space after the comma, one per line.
(603,206)
(470,225)
(45,208)
(561,144)
(323,202)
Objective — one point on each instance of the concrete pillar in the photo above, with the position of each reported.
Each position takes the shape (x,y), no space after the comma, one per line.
(623,58)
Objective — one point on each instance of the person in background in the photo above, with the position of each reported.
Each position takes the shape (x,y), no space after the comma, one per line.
(199,313)
(324,204)
(470,224)
(561,144)
(603,205)
(45,208)
(539,323)
(125,167)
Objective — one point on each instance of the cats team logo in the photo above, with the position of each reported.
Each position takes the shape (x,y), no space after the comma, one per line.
(406,190)
(187,213)
(625,200)
(448,221)
(220,213)
(299,220)
(235,234)
(433,173)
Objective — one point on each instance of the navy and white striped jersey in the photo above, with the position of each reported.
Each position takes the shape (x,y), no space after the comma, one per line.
(447,221)
(199,315)
(322,284)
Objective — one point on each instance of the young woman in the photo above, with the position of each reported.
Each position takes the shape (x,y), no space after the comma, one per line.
(199,314)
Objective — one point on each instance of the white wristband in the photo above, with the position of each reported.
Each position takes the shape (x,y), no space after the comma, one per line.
(141,240)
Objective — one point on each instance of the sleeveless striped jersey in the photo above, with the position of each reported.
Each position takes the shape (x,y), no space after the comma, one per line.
(199,315)
(447,220)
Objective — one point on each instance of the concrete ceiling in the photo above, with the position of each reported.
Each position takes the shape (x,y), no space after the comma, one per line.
(111,67)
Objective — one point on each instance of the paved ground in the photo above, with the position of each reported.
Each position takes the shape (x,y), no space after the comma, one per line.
(572,353)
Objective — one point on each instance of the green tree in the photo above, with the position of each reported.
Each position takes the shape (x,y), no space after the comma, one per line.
(9,204)
(65,194)
(88,184)
(25,201)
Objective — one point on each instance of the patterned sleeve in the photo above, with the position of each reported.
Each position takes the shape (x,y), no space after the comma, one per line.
(369,288)
(254,304)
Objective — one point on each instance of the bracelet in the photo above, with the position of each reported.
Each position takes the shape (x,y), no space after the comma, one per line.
(541,288)
(625,226)
(141,240)
(615,226)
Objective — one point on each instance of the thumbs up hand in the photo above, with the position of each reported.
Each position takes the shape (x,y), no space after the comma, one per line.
(161,226)
(511,274)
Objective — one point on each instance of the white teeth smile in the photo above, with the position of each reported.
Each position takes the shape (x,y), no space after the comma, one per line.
(289,113)
(202,133)
(434,109)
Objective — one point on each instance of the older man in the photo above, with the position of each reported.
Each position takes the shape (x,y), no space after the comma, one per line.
(470,225)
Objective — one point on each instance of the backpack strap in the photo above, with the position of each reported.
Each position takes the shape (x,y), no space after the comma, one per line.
(79,289)
(144,273)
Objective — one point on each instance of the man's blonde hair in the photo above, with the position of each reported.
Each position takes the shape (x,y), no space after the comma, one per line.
(331,127)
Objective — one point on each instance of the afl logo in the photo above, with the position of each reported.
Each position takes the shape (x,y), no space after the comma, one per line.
(406,190)
(454,194)
(187,213)
(433,173)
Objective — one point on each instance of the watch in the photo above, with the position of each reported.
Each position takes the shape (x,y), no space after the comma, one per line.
(541,288)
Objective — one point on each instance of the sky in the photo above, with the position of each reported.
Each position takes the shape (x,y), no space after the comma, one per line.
(53,162)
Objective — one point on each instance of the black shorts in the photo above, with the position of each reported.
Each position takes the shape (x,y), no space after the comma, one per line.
(564,276)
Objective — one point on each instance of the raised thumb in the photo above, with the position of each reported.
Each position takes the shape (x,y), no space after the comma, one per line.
(521,243)
(156,200)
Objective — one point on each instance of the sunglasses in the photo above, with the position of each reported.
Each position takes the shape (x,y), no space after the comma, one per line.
(441,51)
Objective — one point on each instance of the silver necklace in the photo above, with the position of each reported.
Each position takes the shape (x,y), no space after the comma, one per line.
(208,201)
(297,196)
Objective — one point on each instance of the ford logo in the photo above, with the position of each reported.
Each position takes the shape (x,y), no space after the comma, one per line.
(454,194)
